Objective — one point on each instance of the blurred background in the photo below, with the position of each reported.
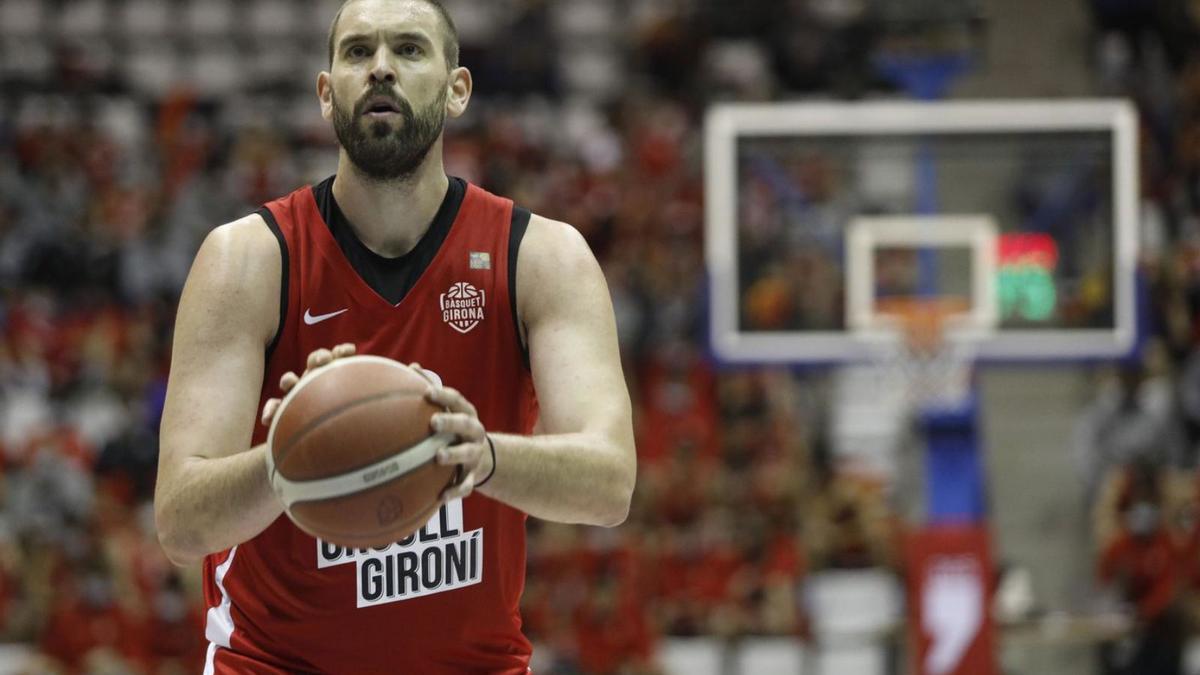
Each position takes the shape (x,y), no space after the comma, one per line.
(130,128)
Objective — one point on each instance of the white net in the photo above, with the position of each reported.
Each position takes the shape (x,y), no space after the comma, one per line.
(927,378)
(911,370)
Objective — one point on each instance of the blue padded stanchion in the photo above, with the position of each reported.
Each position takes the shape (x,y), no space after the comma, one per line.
(953,465)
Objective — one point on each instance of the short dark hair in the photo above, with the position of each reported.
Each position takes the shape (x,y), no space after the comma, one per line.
(449,32)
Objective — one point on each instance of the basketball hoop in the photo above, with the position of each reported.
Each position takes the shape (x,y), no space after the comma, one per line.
(920,342)
(924,357)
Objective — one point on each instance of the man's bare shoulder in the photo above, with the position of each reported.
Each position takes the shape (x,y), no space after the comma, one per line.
(248,235)
(238,272)
(240,250)
(555,264)
(552,244)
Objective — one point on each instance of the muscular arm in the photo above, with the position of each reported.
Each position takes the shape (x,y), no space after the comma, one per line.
(581,466)
(212,490)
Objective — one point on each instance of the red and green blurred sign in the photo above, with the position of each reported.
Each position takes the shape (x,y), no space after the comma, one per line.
(1026,277)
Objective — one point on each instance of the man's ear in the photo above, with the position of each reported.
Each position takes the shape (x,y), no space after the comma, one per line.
(458,91)
(325,95)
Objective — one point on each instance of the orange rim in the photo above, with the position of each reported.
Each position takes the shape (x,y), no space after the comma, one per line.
(923,320)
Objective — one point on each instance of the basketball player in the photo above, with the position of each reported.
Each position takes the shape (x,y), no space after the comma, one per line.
(395,258)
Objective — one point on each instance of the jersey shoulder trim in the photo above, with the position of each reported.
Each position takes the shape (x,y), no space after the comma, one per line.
(273,225)
(516,233)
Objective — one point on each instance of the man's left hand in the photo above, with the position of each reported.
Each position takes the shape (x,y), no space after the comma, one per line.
(470,450)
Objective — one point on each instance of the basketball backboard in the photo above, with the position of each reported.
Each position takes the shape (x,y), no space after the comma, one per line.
(1051,183)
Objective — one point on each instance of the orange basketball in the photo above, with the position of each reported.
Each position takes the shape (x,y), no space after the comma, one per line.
(352,453)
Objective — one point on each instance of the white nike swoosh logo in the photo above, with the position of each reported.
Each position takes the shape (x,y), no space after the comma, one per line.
(313,320)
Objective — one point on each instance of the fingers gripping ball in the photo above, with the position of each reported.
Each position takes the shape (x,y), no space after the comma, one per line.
(352,456)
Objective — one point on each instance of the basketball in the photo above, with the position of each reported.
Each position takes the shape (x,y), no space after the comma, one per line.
(352,454)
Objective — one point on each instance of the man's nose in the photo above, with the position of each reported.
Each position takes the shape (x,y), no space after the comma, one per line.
(382,69)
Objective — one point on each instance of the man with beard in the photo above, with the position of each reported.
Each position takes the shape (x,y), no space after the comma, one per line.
(391,257)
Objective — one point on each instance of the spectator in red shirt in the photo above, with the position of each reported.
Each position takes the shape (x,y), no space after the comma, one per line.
(1144,562)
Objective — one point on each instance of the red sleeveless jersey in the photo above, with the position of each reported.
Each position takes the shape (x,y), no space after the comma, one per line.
(446,599)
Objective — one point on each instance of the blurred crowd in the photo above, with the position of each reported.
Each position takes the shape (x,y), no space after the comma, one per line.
(1137,442)
(110,178)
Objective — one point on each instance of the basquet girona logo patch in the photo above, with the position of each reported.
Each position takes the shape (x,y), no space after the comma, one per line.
(462,306)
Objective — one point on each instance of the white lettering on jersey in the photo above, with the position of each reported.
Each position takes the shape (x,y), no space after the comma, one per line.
(462,306)
(437,558)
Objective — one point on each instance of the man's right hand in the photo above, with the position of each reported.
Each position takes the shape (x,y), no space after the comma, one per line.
(317,359)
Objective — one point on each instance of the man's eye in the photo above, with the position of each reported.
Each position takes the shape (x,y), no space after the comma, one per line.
(356,52)
(410,49)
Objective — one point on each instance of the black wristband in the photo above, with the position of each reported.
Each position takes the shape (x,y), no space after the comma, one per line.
(492,447)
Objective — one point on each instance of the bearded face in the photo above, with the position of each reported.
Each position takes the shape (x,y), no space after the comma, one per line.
(383,136)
